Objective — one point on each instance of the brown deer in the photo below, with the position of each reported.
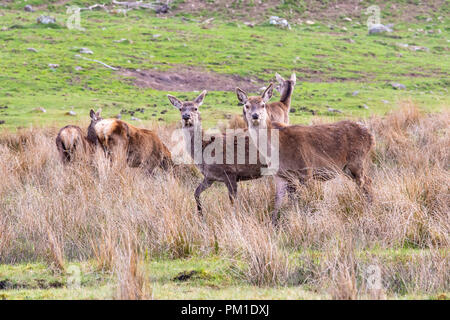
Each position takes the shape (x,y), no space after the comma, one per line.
(317,151)
(142,147)
(277,111)
(228,171)
(71,141)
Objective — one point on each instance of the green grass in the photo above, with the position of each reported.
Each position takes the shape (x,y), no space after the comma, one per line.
(214,278)
(328,67)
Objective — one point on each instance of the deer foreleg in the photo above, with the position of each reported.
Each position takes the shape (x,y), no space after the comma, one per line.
(280,192)
(205,184)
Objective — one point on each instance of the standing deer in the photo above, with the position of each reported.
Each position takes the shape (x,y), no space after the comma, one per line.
(227,172)
(142,147)
(307,152)
(278,111)
(71,141)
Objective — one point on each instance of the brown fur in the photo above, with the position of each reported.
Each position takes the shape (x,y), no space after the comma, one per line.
(317,151)
(71,141)
(229,174)
(142,146)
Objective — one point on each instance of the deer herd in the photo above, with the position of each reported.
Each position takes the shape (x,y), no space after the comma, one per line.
(302,152)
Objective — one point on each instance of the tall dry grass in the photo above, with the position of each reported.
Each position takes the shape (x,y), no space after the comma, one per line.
(116,215)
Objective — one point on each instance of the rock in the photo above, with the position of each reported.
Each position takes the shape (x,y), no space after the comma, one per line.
(134,119)
(71,113)
(4,29)
(28,8)
(347,19)
(46,20)
(379,28)
(32,49)
(310,22)
(40,109)
(2,121)
(279,22)
(163,112)
(292,110)
(363,106)
(78,68)
(119,116)
(163,8)
(419,48)
(429,19)
(53,65)
(249,24)
(160,119)
(334,110)
(86,51)
(385,101)
(120,41)
(398,86)
(355,93)
(344,29)
(155,36)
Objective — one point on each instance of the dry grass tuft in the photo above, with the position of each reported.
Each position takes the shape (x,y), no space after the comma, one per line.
(114,214)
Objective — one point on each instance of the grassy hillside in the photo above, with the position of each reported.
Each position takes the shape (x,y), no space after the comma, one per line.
(330,64)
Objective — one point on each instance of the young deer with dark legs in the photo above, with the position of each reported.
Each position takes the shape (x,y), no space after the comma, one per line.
(277,111)
(142,147)
(227,171)
(71,142)
(306,152)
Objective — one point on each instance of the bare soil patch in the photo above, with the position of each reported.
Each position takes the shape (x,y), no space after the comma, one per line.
(190,79)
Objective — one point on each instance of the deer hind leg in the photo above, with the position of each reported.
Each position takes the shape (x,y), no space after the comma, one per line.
(231,183)
(357,173)
(205,184)
(280,191)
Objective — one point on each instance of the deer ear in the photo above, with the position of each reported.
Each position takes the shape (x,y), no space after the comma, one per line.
(293,78)
(241,95)
(175,102)
(199,100)
(97,114)
(92,114)
(267,94)
(279,78)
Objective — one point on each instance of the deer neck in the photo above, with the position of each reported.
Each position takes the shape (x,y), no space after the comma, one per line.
(193,137)
(91,134)
(263,130)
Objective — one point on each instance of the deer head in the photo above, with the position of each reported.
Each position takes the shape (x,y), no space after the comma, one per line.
(255,106)
(190,116)
(95,118)
(283,84)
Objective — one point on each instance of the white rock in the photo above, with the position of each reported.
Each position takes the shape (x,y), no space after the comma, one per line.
(46,20)
(379,28)
(86,51)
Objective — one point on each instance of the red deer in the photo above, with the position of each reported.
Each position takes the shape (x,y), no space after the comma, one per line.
(277,111)
(71,141)
(229,171)
(142,147)
(315,151)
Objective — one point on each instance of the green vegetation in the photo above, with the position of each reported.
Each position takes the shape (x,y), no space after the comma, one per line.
(330,65)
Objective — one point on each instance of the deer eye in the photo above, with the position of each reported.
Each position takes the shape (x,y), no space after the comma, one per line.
(247,106)
(195,109)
